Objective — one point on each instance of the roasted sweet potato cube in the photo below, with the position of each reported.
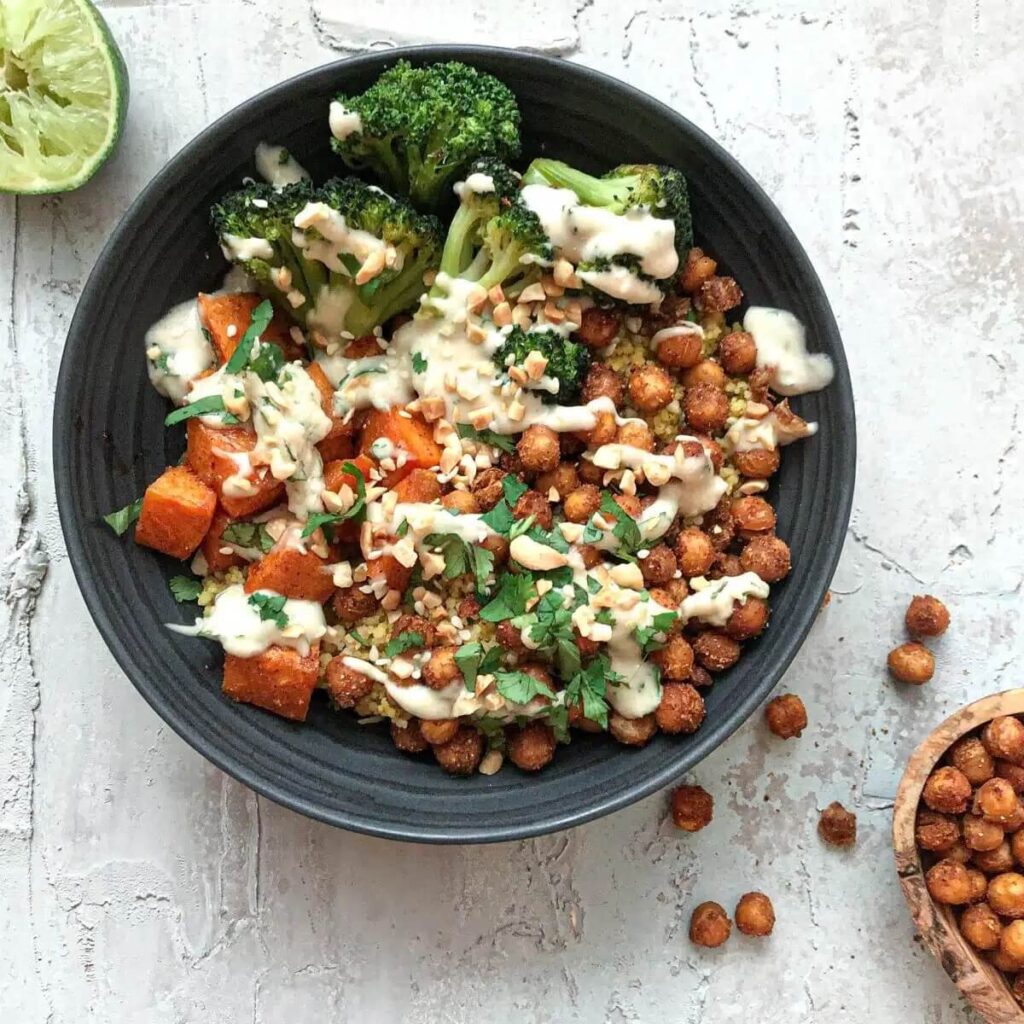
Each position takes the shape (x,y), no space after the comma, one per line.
(210,451)
(177,510)
(342,447)
(294,573)
(214,543)
(391,569)
(279,680)
(340,430)
(419,485)
(226,317)
(410,433)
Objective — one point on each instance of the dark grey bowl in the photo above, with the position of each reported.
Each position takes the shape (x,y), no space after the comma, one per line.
(109,442)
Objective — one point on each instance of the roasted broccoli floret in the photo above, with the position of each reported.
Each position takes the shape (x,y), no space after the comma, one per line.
(419,128)
(568,361)
(344,257)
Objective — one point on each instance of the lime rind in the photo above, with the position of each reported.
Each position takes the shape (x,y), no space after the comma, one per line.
(63,94)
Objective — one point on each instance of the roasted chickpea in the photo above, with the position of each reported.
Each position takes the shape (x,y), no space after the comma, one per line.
(1001,962)
(755,914)
(718,295)
(994,862)
(981,927)
(911,663)
(531,747)
(958,852)
(441,669)
(345,686)
(737,352)
(971,757)
(603,382)
(650,388)
(410,739)
(927,616)
(786,715)
(351,604)
(753,516)
(498,546)
(589,555)
(1004,738)
(533,503)
(707,371)
(440,730)
(462,502)
(633,732)
(710,925)
(671,594)
(757,463)
(1015,821)
(602,432)
(407,623)
(658,565)
(837,826)
(487,488)
(947,790)
(694,551)
(768,556)
(1006,894)
(748,619)
(681,709)
(979,884)
(1011,942)
(582,503)
(706,407)
(1013,773)
(630,504)
(636,434)
(578,720)
(700,676)
(675,660)
(509,637)
(726,565)
(716,651)
(1017,846)
(462,753)
(679,351)
(697,269)
(692,808)
(948,882)
(538,449)
(980,834)
(563,480)
(996,801)
(936,832)
(719,525)
(599,327)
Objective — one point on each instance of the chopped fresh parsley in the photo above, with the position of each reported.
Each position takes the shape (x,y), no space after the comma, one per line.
(185,588)
(592,533)
(625,530)
(520,687)
(521,526)
(200,407)
(593,584)
(514,590)
(359,638)
(474,660)
(356,511)
(500,518)
(403,529)
(491,437)
(267,362)
(460,557)
(646,636)
(258,322)
(161,362)
(419,365)
(248,535)
(270,607)
(550,538)
(587,689)
(549,626)
(120,520)
(405,641)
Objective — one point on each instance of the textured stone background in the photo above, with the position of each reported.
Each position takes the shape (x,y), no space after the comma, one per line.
(139,884)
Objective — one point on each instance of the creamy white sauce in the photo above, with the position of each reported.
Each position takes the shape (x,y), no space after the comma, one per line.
(276,166)
(343,122)
(769,432)
(713,601)
(323,234)
(234,621)
(477,183)
(420,700)
(675,331)
(236,248)
(621,283)
(177,351)
(782,347)
(381,382)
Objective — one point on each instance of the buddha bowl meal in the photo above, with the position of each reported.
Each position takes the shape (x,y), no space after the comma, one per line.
(479,447)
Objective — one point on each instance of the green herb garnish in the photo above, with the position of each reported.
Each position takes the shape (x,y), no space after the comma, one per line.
(473,660)
(491,437)
(270,607)
(514,590)
(405,641)
(419,365)
(356,512)
(520,687)
(120,520)
(200,407)
(185,588)
(258,321)
(248,535)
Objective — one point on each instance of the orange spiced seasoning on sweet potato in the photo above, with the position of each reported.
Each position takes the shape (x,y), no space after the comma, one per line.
(177,510)
(280,680)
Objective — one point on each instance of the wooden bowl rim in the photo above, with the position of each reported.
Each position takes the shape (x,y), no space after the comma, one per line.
(982,985)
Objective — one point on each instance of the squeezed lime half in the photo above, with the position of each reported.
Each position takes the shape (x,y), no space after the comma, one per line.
(63,94)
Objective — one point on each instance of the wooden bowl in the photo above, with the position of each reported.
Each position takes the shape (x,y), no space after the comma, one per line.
(982,985)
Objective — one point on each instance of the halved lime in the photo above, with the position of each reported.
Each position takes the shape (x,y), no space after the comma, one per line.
(63,94)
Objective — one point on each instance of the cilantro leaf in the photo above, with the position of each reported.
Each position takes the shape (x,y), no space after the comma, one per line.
(586,689)
(499,518)
(405,641)
(491,437)
(646,636)
(258,321)
(513,488)
(514,590)
(267,363)
(248,535)
(185,588)
(270,607)
(474,660)
(460,557)
(120,520)
(200,407)
(520,687)
(551,538)
(357,511)
(625,530)
(359,638)
(419,365)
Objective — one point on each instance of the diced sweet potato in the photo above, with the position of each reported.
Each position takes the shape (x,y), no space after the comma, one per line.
(209,454)
(419,485)
(341,447)
(409,433)
(177,510)
(214,541)
(298,574)
(342,433)
(280,680)
(388,567)
(363,348)
(226,316)
(335,476)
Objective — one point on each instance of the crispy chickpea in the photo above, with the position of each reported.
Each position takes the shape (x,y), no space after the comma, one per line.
(487,489)
(837,826)
(1017,846)
(1013,773)
(675,660)
(719,295)
(979,884)
(1001,962)
(958,852)
(1004,738)
(582,503)
(696,270)
(755,914)
(345,686)
(630,504)
(538,448)
(589,555)
(947,882)
(694,552)
(633,732)
(681,709)
(462,753)
(563,479)
(753,516)
(1015,821)
(927,616)
(707,371)
(726,565)
(692,808)
(441,669)
(671,594)
(599,327)
(636,434)
(440,730)
(531,747)
(980,834)
(1006,894)
(981,927)
(409,739)
(700,676)
(498,546)
(604,430)
(351,604)
(911,663)
(971,757)
(603,382)
(716,651)
(407,623)
(757,463)
(679,351)
(710,925)
(650,388)
(947,790)
(533,503)
(936,832)
(578,720)
(462,502)
(768,556)
(994,862)
(509,637)
(737,352)
(786,715)
(1011,942)
(996,801)
(658,565)
(748,619)
(719,525)
(706,408)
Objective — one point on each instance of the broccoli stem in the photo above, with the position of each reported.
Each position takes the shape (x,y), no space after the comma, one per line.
(590,190)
